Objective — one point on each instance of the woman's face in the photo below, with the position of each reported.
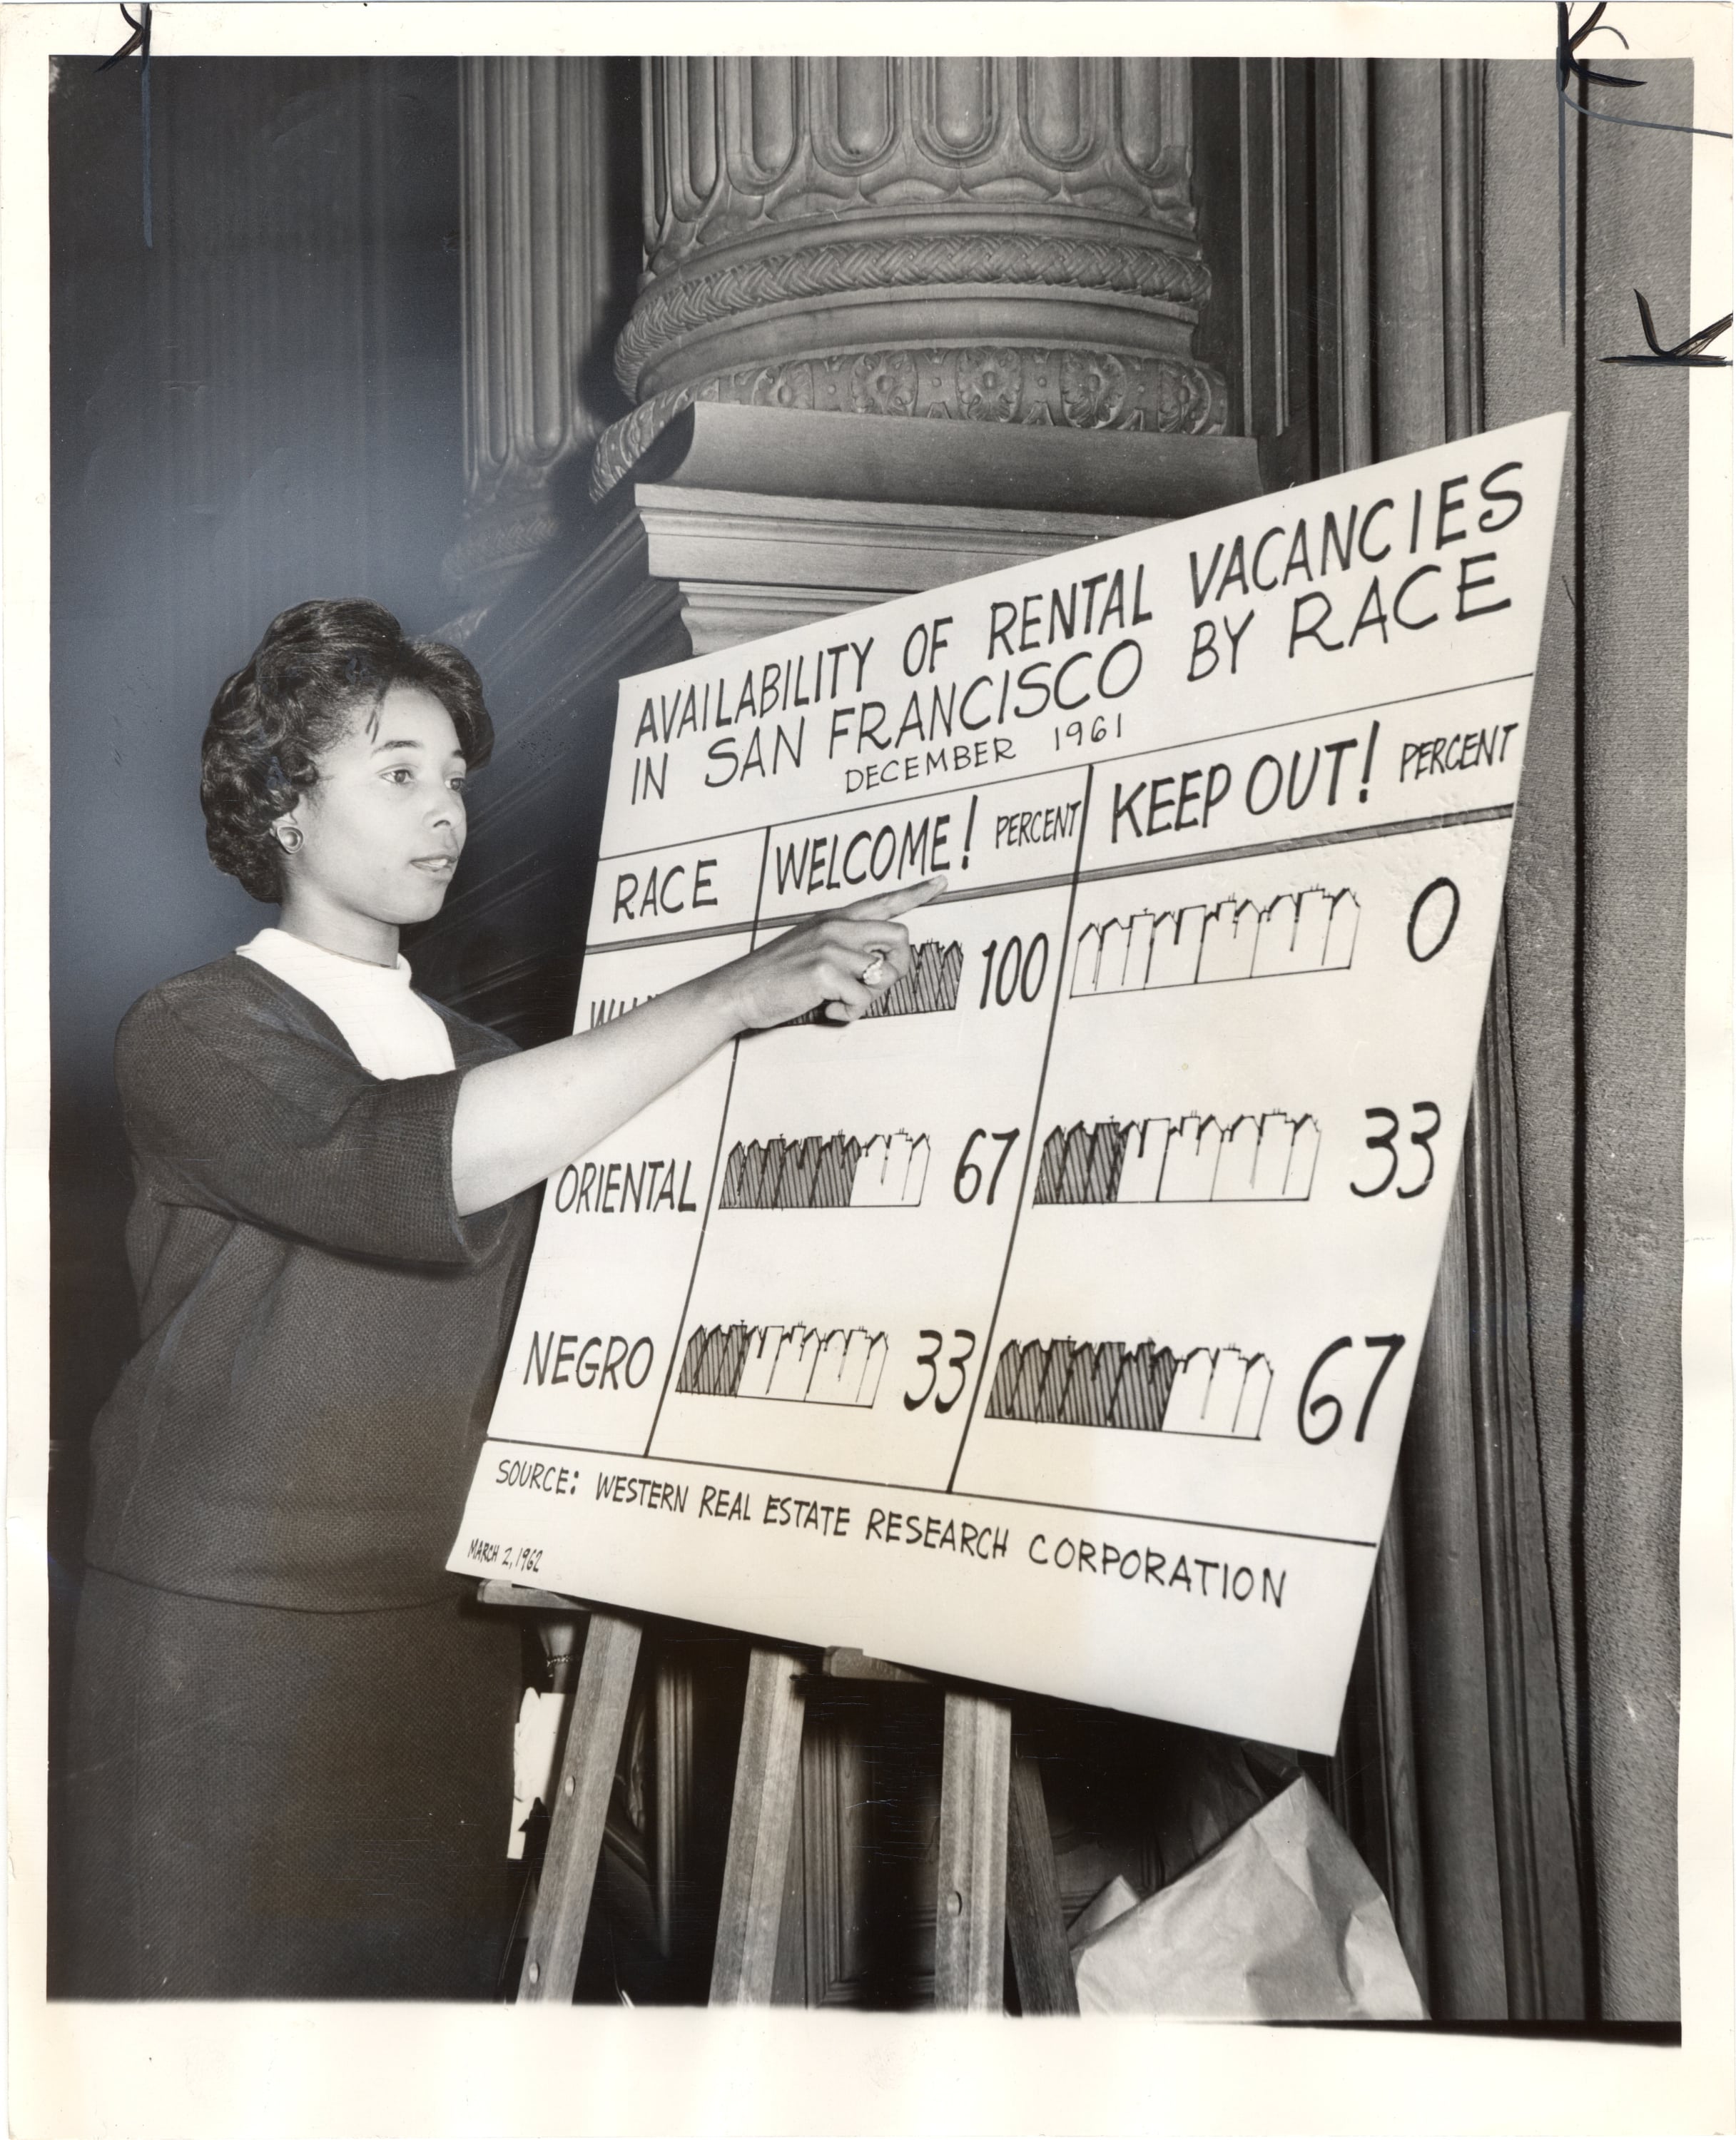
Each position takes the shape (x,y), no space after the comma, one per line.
(384,825)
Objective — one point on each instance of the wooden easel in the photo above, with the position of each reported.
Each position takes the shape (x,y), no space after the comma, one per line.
(996,1880)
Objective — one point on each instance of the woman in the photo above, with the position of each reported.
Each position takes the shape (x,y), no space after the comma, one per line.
(290,1745)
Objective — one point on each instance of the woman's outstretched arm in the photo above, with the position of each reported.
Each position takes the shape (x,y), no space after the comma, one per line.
(520,1119)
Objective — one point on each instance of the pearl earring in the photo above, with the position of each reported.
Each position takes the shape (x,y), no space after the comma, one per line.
(289,838)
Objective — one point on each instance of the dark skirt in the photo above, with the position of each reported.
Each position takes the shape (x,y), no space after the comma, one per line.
(273,1804)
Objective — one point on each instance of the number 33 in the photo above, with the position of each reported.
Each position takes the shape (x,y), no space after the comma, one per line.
(1387,1141)
(930,1359)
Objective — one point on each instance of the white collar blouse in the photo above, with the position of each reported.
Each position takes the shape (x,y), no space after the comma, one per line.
(392,1033)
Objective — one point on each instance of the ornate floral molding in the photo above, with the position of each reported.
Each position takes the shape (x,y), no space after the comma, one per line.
(1087,390)
(677,305)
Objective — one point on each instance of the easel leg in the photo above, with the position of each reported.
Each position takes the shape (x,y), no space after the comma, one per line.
(1035,1924)
(582,1806)
(970,1927)
(746,1958)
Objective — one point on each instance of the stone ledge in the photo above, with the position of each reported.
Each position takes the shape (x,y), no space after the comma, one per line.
(881,548)
(792,452)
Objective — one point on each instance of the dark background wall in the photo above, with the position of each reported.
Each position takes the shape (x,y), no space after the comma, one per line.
(264,406)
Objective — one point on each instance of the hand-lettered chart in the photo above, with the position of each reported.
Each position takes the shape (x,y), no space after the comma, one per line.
(1055,1325)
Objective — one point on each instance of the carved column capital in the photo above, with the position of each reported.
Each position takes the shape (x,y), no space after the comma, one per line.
(992,240)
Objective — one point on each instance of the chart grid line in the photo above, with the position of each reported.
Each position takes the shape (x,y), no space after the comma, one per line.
(1018,1202)
(971,1494)
(675,935)
(1338,836)
(1335,837)
(711,1187)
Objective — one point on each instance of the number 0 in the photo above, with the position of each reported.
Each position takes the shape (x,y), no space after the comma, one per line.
(1428,894)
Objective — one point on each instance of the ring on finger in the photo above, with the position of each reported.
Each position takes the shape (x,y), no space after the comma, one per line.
(874,971)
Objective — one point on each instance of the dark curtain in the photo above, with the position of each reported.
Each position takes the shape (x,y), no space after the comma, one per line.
(1594,964)
(1537,1514)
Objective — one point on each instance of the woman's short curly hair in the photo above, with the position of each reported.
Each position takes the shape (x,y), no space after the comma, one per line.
(318,665)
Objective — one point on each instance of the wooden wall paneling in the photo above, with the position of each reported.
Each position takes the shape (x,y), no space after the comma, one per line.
(1344,411)
(1542,1940)
(1475,1710)
(1461,218)
(1467,1963)
(1265,407)
(1395,1719)
(1263,213)
(1543,1806)
(837,1859)
(1374,1784)
(1500,1802)
(1322,247)
(1356,368)
(1407,308)
(1380,1717)
(970,1932)
(1500,1544)
(860,1917)
(1632,896)
(1391,256)
(1303,214)
(1217,137)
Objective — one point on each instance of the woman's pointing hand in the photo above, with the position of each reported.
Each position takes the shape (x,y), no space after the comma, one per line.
(519,1118)
(843,961)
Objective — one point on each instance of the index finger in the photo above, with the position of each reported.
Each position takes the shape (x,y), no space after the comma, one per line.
(884,906)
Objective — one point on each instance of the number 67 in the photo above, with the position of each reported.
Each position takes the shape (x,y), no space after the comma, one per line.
(1309,1407)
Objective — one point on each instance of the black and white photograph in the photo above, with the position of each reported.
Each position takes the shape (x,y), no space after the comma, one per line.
(868,936)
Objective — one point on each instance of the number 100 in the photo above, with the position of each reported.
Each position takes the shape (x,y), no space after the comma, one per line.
(1014,969)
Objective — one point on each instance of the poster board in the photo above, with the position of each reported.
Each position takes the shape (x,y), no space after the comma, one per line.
(1055,1326)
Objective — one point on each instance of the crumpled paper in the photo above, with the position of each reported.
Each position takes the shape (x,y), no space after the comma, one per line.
(1282,1922)
(536,1744)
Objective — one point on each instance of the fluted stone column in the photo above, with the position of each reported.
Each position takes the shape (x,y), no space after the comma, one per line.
(538,191)
(995,240)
